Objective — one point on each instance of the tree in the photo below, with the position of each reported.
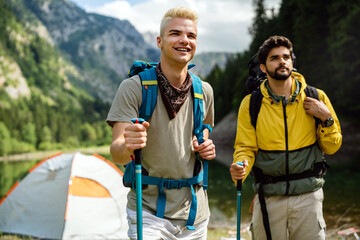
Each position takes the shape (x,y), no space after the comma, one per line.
(343,44)
(28,134)
(45,139)
(88,132)
(5,140)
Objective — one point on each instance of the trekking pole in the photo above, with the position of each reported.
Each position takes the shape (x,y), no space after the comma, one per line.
(138,158)
(239,188)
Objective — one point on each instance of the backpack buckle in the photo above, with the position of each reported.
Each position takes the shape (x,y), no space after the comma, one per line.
(171,184)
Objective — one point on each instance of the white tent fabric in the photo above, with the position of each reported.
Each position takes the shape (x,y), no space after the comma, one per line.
(49,202)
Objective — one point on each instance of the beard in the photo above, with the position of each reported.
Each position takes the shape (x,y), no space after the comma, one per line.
(277,75)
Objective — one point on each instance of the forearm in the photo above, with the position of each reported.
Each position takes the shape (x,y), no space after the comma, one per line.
(119,153)
(245,142)
(330,138)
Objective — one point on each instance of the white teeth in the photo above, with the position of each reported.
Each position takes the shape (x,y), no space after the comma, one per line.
(182,49)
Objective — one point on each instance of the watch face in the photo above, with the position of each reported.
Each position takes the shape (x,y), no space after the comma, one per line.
(329,122)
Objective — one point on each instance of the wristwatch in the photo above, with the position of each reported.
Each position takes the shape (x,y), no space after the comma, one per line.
(328,122)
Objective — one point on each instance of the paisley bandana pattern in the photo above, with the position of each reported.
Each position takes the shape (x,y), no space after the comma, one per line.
(172,97)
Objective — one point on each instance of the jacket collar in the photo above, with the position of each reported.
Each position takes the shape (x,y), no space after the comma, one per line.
(298,85)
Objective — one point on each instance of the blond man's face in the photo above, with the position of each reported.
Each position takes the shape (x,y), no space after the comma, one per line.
(179,40)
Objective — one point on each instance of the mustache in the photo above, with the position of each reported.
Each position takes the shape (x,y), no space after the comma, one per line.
(278,68)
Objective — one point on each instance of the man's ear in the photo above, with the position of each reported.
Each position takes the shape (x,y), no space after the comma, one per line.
(263,68)
(158,42)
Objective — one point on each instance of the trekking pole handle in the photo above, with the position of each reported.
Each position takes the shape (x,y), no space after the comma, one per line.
(137,152)
(239,182)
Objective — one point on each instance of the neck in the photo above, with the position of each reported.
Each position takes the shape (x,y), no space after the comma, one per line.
(175,74)
(281,87)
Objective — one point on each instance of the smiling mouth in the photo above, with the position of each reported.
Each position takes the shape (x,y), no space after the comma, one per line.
(182,49)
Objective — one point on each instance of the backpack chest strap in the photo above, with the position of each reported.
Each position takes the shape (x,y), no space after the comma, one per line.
(171,184)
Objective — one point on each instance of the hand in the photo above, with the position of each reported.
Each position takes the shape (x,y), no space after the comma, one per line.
(316,108)
(135,136)
(206,150)
(237,171)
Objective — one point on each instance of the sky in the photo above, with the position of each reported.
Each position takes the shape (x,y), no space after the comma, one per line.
(223,24)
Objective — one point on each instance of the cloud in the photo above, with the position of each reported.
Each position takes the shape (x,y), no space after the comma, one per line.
(223,24)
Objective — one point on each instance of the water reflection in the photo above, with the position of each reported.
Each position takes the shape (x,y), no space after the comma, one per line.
(10,172)
(223,198)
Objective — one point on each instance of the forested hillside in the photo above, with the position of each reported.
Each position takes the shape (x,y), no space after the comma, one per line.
(102,48)
(39,106)
(325,35)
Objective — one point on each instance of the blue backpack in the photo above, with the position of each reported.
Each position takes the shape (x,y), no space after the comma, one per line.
(149,82)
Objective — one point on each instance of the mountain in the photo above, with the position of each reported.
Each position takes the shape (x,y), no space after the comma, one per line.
(103,48)
(40,106)
(150,38)
(205,62)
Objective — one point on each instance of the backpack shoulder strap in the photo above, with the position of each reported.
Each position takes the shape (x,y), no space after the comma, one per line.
(198,119)
(312,92)
(149,92)
(255,105)
(198,107)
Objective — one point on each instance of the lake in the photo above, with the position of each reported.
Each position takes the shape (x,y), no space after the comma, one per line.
(341,205)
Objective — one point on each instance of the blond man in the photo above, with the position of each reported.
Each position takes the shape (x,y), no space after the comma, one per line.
(167,140)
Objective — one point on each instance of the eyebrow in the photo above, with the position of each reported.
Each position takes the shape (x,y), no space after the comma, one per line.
(276,56)
(178,31)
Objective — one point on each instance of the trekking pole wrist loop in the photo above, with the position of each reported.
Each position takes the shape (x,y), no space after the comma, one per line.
(198,132)
(202,128)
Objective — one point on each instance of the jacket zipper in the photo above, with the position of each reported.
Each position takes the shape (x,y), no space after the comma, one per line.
(284,103)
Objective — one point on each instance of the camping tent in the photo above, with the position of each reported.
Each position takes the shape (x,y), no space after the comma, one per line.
(67,196)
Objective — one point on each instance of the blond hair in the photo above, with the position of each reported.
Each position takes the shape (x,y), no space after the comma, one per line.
(180,12)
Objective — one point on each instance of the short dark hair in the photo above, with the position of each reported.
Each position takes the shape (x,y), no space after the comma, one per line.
(270,43)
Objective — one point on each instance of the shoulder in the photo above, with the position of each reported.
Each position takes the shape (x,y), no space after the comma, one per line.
(206,87)
(322,94)
(130,86)
(245,103)
(133,81)
(129,90)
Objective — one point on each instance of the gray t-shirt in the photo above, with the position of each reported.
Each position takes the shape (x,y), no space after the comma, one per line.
(169,151)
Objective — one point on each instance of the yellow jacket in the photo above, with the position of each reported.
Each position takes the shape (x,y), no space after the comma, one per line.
(271,140)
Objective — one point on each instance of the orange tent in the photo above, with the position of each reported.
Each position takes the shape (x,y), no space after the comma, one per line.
(67,196)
